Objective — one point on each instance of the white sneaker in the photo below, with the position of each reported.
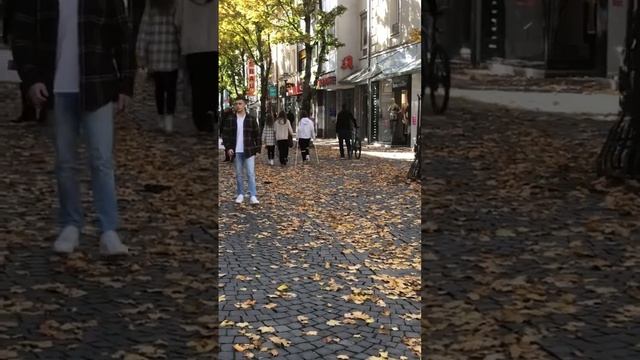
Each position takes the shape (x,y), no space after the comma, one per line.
(254,200)
(239,199)
(271,162)
(110,244)
(67,241)
(168,123)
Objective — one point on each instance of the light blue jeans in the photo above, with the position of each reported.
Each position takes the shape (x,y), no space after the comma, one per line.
(242,163)
(68,122)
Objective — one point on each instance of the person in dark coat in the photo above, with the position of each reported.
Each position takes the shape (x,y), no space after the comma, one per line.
(28,112)
(344,129)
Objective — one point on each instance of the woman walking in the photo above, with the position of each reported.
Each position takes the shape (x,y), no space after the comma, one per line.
(198,25)
(158,50)
(306,133)
(283,131)
(269,138)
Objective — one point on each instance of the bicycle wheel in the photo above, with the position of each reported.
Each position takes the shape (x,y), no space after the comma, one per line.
(439,71)
(357,148)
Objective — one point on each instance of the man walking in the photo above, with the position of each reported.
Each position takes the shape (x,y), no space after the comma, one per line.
(242,139)
(76,59)
(343,129)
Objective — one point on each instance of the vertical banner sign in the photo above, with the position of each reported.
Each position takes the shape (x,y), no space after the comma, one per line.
(414,120)
(375,110)
(251,86)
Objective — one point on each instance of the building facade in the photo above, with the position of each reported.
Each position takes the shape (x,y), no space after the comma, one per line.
(579,37)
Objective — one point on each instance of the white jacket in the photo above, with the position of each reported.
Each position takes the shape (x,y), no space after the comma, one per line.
(306,129)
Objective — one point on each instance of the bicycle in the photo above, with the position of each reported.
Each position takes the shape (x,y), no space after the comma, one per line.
(356,144)
(439,65)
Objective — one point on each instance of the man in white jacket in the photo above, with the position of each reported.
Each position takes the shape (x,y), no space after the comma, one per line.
(306,133)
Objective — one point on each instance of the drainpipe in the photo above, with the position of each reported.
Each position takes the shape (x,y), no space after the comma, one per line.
(370,99)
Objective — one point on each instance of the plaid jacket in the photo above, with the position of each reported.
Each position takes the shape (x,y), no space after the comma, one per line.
(251,132)
(106,57)
(157,47)
(269,135)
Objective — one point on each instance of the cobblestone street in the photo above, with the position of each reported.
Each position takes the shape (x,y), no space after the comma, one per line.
(526,253)
(326,267)
(160,302)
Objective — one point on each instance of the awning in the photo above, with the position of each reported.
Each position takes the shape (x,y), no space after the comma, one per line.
(402,62)
(361,76)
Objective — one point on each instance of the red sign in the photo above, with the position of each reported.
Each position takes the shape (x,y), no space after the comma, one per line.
(326,81)
(347,63)
(294,89)
(251,86)
(414,120)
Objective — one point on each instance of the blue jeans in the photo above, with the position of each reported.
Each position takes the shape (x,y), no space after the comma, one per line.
(68,121)
(242,163)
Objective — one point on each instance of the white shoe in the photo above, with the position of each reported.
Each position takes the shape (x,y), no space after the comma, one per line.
(168,123)
(110,244)
(254,200)
(67,241)
(239,199)
(271,162)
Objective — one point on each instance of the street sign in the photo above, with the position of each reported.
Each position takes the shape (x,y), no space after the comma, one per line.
(273,91)
(414,120)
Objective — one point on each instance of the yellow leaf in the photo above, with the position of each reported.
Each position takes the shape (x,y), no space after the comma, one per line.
(279,341)
(266,329)
(282,287)
(333,323)
(270,306)
(311,333)
(226,323)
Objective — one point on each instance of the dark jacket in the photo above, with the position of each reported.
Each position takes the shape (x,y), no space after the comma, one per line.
(7,19)
(251,132)
(106,52)
(344,122)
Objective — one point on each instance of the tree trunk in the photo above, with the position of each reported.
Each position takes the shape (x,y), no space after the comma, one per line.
(620,154)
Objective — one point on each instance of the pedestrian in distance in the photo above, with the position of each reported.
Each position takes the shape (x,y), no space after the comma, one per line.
(158,50)
(344,129)
(306,134)
(284,135)
(197,27)
(49,52)
(269,138)
(242,138)
(28,112)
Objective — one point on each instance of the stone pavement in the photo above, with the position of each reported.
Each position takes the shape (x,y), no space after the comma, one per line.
(326,267)
(526,254)
(602,106)
(160,302)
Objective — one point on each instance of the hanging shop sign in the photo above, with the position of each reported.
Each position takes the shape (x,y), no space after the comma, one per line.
(294,89)
(401,82)
(273,91)
(251,83)
(375,110)
(347,63)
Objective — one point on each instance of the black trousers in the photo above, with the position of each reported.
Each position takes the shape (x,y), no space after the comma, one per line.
(304,147)
(204,83)
(283,151)
(344,136)
(271,151)
(165,82)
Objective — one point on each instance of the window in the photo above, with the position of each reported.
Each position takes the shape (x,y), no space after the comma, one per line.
(394,15)
(364,34)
